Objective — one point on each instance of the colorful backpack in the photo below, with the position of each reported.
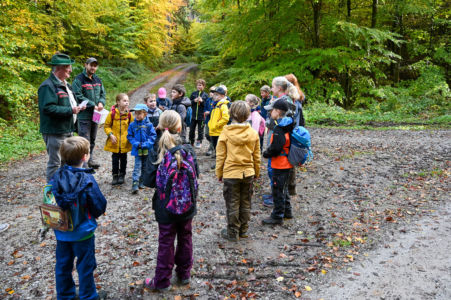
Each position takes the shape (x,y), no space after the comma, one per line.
(177,186)
(300,143)
(52,215)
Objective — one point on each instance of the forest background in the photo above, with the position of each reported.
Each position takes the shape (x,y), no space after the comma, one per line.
(361,63)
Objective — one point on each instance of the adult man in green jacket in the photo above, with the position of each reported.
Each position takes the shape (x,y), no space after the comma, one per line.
(88,87)
(58,109)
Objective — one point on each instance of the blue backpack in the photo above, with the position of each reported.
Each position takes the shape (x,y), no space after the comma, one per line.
(300,151)
(189,116)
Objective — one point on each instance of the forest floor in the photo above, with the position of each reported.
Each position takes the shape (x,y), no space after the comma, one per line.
(372,221)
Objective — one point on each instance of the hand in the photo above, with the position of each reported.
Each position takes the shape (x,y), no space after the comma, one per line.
(76,109)
(161,107)
(207,113)
(199,99)
(113,139)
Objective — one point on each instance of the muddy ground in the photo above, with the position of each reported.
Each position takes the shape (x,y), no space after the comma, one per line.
(372,221)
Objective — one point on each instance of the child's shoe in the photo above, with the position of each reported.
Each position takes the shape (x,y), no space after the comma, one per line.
(229,236)
(135,187)
(141,183)
(183,281)
(150,284)
(271,221)
(288,215)
(268,201)
(115,180)
(121,178)
(243,235)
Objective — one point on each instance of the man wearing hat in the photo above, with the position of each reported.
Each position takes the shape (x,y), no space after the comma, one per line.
(88,87)
(58,109)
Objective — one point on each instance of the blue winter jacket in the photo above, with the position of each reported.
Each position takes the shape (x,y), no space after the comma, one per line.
(141,133)
(77,190)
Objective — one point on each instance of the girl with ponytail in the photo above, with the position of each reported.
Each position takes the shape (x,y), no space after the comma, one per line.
(175,210)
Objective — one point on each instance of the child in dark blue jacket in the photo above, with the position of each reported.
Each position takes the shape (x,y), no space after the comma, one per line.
(198,99)
(141,134)
(75,189)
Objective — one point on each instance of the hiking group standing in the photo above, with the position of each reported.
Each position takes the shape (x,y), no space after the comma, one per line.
(155,132)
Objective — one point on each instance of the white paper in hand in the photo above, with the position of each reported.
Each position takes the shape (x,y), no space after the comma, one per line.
(83,104)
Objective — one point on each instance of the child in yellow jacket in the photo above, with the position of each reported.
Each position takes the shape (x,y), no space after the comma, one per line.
(116,127)
(219,116)
(237,164)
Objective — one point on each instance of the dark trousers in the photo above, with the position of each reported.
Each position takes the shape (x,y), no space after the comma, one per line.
(214,141)
(88,130)
(238,195)
(119,163)
(183,257)
(66,252)
(262,140)
(200,130)
(280,196)
(207,132)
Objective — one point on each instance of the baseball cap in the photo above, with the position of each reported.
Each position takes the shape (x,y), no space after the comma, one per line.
(220,90)
(140,106)
(91,60)
(278,104)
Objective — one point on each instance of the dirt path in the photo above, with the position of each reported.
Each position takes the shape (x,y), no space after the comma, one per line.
(363,191)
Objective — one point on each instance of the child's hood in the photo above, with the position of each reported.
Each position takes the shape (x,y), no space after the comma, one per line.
(185,101)
(68,182)
(285,121)
(238,134)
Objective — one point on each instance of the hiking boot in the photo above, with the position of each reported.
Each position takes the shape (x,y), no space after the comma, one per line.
(93,164)
(243,235)
(115,180)
(121,178)
(150,284)
(213,166)
(268,201)
(228,236)
(288,215)
(271,221)
(135,187)
(292,190)
(198,144)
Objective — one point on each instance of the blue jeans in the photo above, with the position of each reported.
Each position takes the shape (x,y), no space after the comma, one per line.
(138,169)
(86,264)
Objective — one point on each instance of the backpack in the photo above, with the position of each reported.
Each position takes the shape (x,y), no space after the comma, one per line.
(113,113)
(189,116)
(300,143)
(53,216)
(177,187)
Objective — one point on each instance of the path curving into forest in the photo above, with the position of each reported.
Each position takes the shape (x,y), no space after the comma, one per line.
(363,191)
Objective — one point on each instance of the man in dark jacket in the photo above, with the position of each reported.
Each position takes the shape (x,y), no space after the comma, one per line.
(198,99)
(88,87)
(58,109)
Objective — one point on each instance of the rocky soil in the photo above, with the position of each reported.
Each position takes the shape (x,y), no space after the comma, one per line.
(372,221)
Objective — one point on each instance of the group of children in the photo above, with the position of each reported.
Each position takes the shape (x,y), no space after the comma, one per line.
(156,136)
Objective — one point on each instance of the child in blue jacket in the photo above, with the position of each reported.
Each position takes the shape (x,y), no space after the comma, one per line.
(141,134)
(75,189)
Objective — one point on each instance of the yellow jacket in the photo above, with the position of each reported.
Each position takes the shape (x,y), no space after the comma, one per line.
(238,152)
(119,128)
(219,117)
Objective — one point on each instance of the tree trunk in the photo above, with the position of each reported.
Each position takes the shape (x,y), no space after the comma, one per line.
(348,7)
(374,14)
(316,5)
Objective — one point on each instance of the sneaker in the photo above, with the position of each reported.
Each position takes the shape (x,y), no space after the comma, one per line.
(150,284)
(243,235)
(4,227)
(93,164)
(213,166)
(198,144)
(271,221)
(229,237)
(135,187)
(141,184)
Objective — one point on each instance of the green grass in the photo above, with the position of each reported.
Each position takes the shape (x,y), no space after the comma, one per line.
(323,115)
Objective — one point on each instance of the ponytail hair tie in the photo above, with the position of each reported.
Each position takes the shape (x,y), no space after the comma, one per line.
(166,129)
